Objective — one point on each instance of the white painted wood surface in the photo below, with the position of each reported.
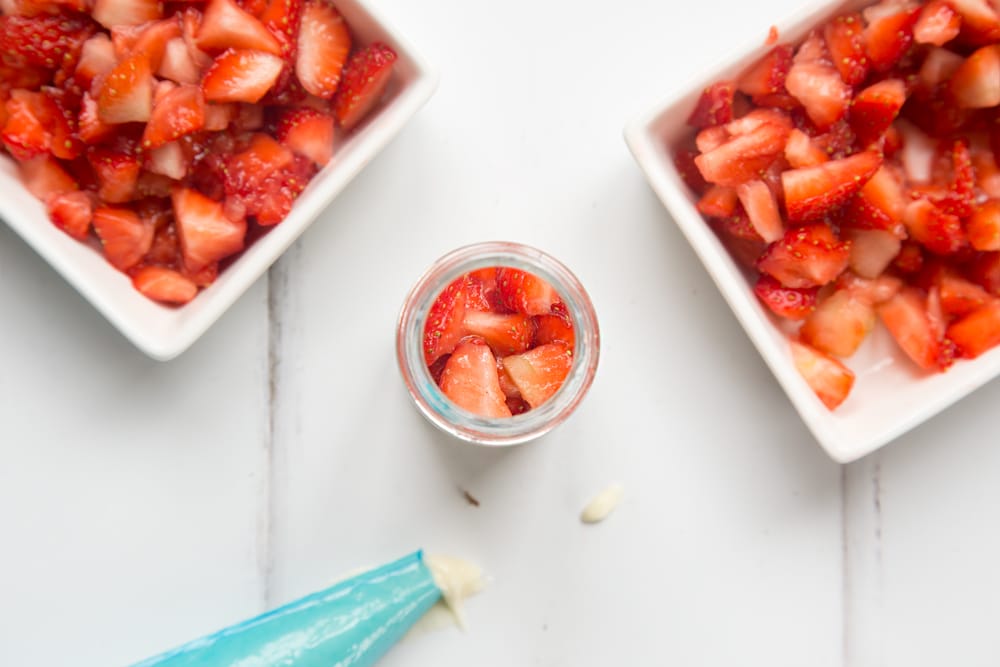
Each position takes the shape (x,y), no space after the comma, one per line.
(143,504)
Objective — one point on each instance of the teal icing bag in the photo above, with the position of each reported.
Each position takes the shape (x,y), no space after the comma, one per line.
(350,624)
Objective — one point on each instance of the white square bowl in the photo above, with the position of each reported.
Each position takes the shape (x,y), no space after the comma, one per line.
(164,332)
(890,395)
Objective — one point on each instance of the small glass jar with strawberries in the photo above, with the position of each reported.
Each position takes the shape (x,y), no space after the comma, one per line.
(497,343)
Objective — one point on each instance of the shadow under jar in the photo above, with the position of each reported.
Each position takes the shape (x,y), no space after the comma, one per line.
(429,397)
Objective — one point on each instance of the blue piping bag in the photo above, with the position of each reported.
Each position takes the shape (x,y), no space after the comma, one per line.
(350,624)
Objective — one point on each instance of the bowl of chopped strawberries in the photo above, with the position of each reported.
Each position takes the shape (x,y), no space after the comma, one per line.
(497,343)
(841,185)
(162,156)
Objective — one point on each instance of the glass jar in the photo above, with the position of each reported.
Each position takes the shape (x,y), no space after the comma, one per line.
(438,408)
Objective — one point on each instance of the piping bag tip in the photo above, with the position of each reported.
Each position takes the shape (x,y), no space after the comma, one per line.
(350,624)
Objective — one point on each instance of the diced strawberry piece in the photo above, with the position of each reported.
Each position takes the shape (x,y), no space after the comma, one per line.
(980,23)
(985,271)
(92,129)
(178,64)
(983,227)
(471,380)
(816,83)
(838,141)
(939,65)
(977,332)
(523,292)
(839,324)
(711,138)
(874,109)
(177,113)
(939,232)
(540,372)
(910,259)
(149,39)
(684,162)
(97,58)
(44,177)
(762,210)
(960,296)
(323,46)
(871,290)
(718,202)
(800,151)
(905,316)
(61,117)
(225,25)
(127,93)
(806,257)
(738,226)
(986,170)
(117,173)
(937,24)
(266,178)
(219,116)
(714,107)
(756,140)
(554,328)
(307,132)
(72,212)
(829,379)
(505,334)
(845,41)
(787,302)
(40,7)
(241,76)
(445,322)
(168,160)
(481,288)
(26,132)
(872,250)
(164,285)
(124,236)
(283,18)
(765,77)
(206,235)
(878,206)
(889,38)
(365,78)
(976,82)
(812,192)
(49,41)
(111,13)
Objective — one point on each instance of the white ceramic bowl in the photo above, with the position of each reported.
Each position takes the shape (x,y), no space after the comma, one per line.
(890,394)
(164,332)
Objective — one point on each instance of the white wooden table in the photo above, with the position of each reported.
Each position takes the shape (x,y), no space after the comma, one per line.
(142,504)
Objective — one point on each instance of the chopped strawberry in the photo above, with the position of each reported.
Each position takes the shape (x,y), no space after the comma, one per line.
(976,82)
(939,232)
(111,13)
(470,379)
(983,227)
(177,113)
(97,58)
(687,169)
(977,332)
(960,296)
(763,78)
(92,129)
(178,64)
(283,18)
(206,235)
(555,327)
(72,212)
(219,116)
(505,334)
(481,286)
(26,132)
(714,107)
(872,250)
(241,76)
(124,236)
(44,177)
(844,37)
(755,141)
(61,117)
(127,93)
(365,78)
(805,257)
(718,202)
(874,109)
(711,138)
(164,285)
(872,290)
(800,151)
(307,132)
(266,178)
(523,292)
(985,271)
(149,39)
(816,83)
(829,379)
(445,322)
(117,173)
(540,372)
(889,38)
(762,210)
(878,206)
(323,46)
(905,316)
(738,226)
(226,26)
(168,160)
(48,41)
(812,192)
(787,302)
(980,23)
(839,324)
(938,24)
